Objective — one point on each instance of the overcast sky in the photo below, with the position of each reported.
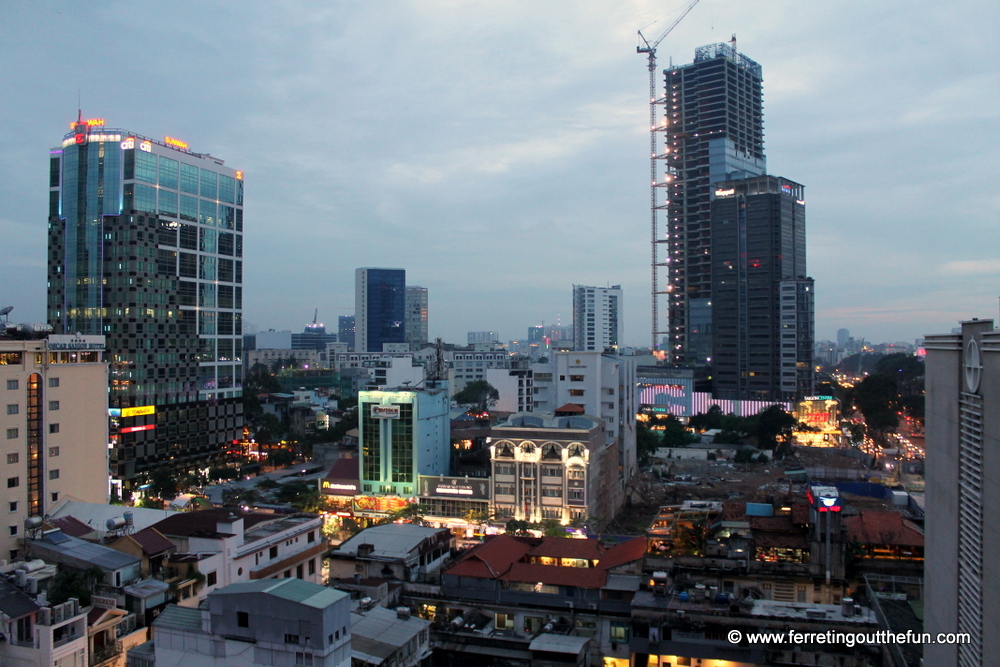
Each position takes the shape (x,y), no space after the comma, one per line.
(499,151)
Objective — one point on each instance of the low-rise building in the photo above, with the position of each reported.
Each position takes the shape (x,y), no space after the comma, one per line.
(382,637)
(38,633)
(400,551)
(268,622)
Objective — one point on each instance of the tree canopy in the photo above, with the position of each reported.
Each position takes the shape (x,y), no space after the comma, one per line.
(478,394)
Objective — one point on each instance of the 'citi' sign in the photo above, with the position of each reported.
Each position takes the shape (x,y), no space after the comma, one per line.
(385,412)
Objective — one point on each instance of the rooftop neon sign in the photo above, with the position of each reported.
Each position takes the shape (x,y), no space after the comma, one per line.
(176,143)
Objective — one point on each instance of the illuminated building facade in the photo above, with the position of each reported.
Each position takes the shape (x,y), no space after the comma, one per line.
(961,571)
(379,308)
(403,433)
(597,318)
(714,133)
(762,300)
(146,249)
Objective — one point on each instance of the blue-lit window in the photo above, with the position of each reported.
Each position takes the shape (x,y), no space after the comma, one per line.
(189,179)
(168,203)
(206,299)
(189,208)
(206,323)
(207,271)
(226,378)
(209,184)
(145,198)
(226,216)
(145,167)
(208,240)
(168,173)
(128,197)
(206,377)
(227,188)
(238,278)
(207,212)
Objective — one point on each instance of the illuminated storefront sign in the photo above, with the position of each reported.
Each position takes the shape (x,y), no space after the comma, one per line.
(379,504)
(176,143)
(725,193)
(454,487)
(385,412)
(128,144)
(335,488)
(139,411)
(133,429)
(146,146)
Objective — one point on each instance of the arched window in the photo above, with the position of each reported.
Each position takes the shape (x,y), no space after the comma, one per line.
(505,451)
(576,449)
(551,452)
(527,448)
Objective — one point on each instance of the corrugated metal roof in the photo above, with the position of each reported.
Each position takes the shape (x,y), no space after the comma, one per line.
(147,588)
(14,603)
(623,582)
(558,643)
(65,549)
(296,590)
(179,618)
(380,632)
(391,540)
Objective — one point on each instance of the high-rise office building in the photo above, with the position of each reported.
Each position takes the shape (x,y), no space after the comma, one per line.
(963,506)
(146,248)
(596,318)
(474,337)
(379,308)
(416,316)
(345,330)
(762,301)
(714,132)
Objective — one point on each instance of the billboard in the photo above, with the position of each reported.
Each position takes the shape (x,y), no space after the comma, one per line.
(454,487)
(379,504)
(339,487)
(139,411)
(385,412)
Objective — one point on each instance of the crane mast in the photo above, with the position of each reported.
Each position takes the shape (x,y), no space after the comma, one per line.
(657,261)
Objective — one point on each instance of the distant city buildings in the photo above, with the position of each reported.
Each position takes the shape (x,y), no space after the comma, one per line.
(53,428)
(762,301)
(379,308)
(416,316)
(146,249)
(963,506)
(345,330)
(474,337)
(597,318)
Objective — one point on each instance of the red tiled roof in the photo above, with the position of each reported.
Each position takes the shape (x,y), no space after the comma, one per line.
(493,557)
(883,527)
(553,575)
(152,541)
(344,468)
(203,523)
(570,408)
(773,523)
(568,547)
(626,552)
(71,526)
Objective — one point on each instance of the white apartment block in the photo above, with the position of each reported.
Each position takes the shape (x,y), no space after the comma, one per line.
(597,318)
(465,366)
(53,429)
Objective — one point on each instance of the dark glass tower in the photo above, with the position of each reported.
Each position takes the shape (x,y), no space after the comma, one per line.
(379,308)
(762,301)
(714,133)
(146,248)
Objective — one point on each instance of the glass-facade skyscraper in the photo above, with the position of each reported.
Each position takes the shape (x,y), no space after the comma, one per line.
(146,248)
(379,308)
(715,133)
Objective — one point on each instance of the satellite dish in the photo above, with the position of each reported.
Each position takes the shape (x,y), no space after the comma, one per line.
(6,309)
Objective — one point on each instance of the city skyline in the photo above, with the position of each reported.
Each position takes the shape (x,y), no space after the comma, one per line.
(462,139)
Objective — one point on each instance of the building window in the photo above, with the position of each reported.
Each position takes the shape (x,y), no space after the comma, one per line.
(53,474)
(576,378)
(13,409)
(12,506)
(576,392)
(12,384)
(552,492)
(55,497)
(13,458)
(53,428)
(291,639)
(304,659)
(312,566)
(53,405)
(53,451)
(11,433)
(13,482)
(53,382)
(272,552)
(242,619)
(311,536)
(13,530)
(504,621)
(211,578)
(619,632)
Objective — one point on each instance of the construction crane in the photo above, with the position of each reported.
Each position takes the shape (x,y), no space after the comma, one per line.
(650,51)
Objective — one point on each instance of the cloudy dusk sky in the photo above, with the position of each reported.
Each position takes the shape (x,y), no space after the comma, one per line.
(499,151)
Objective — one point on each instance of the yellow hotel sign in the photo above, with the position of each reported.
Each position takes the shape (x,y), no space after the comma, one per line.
(138,412)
